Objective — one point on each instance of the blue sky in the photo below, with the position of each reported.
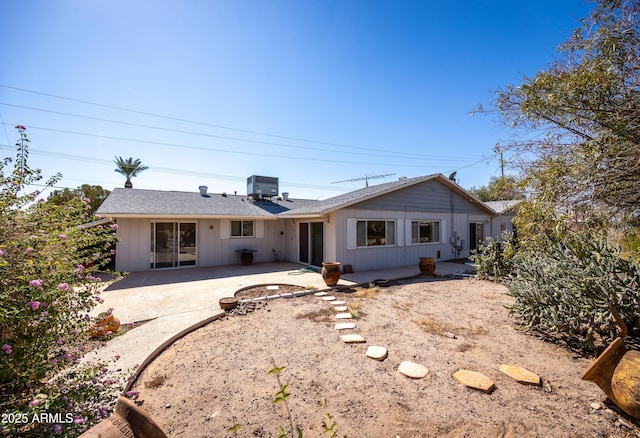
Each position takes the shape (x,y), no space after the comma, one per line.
(309,91)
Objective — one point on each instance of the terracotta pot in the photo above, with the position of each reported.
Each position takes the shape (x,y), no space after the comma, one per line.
(128,420)
(427,265)
(331,273)
(107,324)
(228,303)
(617,373)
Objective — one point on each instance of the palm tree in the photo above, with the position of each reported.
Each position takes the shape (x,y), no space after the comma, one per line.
(129,168)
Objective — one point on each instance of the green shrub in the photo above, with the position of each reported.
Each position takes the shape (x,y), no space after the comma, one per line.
(575,288)
(47,288)
(494,258)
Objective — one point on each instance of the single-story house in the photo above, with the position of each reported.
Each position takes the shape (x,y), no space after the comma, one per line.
(385,225)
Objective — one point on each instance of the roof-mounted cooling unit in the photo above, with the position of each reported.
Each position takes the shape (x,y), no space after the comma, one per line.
(260,187)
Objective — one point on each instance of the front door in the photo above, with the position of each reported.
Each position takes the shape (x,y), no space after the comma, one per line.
(311,243)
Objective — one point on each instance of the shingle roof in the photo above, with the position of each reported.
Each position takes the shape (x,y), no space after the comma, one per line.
(502,207)
(135,202)
(346,199)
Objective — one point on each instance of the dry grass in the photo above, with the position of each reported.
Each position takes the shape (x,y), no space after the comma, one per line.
(371,292)
(354,309)
(156,381)
(432,325)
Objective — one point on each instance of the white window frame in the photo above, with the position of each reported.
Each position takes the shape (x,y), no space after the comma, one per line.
(415,239)
(390,235)
(242,235)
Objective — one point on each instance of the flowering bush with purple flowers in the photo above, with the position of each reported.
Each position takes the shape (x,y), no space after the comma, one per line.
(48,285)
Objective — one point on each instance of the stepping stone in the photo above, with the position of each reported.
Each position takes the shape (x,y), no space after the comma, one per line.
(329,298)
(377,353)
(287,295)
(344,316)
(352,339)
(413,370)
(301,293)
(474,379)
(259,299)
(273,297)
(345,325)
(320,294)
(274,287)
(341,308)
(338,303)
(522,375)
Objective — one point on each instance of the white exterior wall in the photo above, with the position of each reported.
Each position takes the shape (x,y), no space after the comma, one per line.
(403,252)
(214,246)
(500,223)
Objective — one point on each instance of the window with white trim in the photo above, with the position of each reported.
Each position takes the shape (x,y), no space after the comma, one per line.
(375,233)
(242,229)
(425,231)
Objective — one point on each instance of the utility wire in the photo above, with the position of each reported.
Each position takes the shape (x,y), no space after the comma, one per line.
(103,161)
(411,156)
(184,146)
(86,102)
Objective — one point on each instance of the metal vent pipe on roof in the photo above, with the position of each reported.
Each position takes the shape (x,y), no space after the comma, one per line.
(203,190)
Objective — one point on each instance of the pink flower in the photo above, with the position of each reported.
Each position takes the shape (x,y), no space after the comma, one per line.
(36,283)
(45,313)
(29,249)
(63,286)
(21,128)
(114,227)
(7,348)
(34,304)
(1,253)
(33,403)
(62,236)
(117,357)
(87,200)
(57,429)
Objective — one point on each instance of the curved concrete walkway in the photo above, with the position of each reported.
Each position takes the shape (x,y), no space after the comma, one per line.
(172,301)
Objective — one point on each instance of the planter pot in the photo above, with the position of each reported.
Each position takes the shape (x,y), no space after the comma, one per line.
(617,373)
(228,303)
(107,324)
(427,265)
(331,273)
(246,258)
(128,420)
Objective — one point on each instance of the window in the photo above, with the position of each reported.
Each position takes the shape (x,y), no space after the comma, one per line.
(425,231)
(241,228)
(375,233)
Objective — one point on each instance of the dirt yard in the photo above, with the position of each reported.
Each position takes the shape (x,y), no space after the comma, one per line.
(216,377)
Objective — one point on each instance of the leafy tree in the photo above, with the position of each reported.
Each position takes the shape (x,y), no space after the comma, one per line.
(129,168)
(576,141)
(47,288)
(95,195)
(499,189)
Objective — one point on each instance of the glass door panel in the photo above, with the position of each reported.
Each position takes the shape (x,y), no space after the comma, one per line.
(166,251)
(187,244)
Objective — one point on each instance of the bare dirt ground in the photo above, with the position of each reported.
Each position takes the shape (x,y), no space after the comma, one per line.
(216,377)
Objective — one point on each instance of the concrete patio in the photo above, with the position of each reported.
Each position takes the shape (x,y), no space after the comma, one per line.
(174,301)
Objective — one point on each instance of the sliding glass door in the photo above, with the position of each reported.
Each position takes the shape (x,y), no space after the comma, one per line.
(173,244)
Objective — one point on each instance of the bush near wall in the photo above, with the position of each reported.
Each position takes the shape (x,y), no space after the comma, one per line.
(576,288)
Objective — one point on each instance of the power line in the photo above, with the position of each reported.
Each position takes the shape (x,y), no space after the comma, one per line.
(103,161)
(184,146)
(86,102)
